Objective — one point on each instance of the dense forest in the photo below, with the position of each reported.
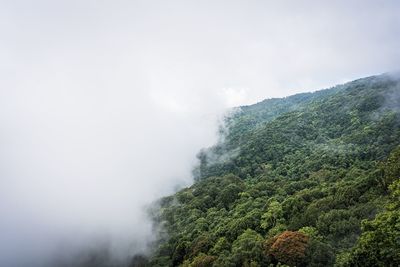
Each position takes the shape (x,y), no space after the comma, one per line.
(307,180)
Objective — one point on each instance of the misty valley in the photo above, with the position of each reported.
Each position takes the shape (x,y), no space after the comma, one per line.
(187,133)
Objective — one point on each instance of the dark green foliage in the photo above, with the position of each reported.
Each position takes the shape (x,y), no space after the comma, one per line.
(379,243)
(317,164)
(247,249)
(319,254)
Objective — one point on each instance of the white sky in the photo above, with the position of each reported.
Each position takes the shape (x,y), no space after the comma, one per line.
(264,48)
(103,104)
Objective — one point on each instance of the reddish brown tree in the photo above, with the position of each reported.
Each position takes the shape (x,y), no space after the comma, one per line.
(288,248)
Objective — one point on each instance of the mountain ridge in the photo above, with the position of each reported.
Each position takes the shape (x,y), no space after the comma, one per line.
(307,169)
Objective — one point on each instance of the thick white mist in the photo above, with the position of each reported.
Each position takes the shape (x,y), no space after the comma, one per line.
(92,131)
(79,162)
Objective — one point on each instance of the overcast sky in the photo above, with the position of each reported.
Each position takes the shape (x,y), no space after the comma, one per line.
(104,104)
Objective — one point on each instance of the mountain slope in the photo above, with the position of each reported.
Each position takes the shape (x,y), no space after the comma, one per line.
(289,183)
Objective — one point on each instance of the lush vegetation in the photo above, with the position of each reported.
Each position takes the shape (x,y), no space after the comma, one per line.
(308,180)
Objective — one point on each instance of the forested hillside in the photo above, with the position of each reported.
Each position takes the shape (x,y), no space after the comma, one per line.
(307,180)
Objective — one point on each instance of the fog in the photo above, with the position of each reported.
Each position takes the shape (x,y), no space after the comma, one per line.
(104,104)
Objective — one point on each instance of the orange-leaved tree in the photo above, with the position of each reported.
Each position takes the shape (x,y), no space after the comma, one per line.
(288,248)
